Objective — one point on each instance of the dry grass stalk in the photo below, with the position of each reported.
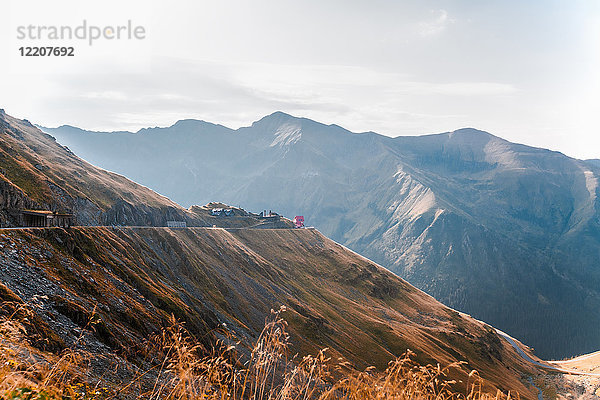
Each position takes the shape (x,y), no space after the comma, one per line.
(268,374)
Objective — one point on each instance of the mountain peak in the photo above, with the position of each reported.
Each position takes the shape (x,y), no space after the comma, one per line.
(278,129)
(69,128)
(188,125)
(471,132)
(274,119)
(471,137)
(280,114)
(190,122)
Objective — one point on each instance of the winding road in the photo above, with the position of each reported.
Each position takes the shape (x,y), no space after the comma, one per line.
(527,358)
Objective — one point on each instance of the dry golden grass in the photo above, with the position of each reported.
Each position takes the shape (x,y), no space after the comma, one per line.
(267,373)
(31,374)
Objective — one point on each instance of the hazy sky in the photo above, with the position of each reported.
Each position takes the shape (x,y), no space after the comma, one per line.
(527,71)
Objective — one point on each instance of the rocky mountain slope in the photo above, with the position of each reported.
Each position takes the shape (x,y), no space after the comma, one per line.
(505,232)
(129,280)
(38,173)
(107,291)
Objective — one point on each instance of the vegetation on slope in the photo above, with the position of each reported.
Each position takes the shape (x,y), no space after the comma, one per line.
(183,370)
(505,232)
(133,279)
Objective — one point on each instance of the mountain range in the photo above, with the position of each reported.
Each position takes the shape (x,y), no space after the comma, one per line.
(105,291)
(38,173)
(505,232)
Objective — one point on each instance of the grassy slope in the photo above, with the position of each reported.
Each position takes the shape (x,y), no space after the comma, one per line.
(23,146)
(503,231)
(207,277)
(136,278)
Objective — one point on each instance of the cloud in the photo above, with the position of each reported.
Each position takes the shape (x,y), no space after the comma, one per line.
(436,25)
(105,95)
(235,94)
(457,88)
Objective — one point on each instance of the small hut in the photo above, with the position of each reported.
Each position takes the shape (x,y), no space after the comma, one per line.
(45,218)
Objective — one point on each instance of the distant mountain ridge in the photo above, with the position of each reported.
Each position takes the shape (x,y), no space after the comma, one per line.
(506,232)
(38,173)
(108,290)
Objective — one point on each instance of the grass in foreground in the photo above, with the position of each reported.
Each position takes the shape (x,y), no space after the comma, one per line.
(183,374)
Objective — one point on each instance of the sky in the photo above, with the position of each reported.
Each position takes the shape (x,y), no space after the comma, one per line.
(527,71)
